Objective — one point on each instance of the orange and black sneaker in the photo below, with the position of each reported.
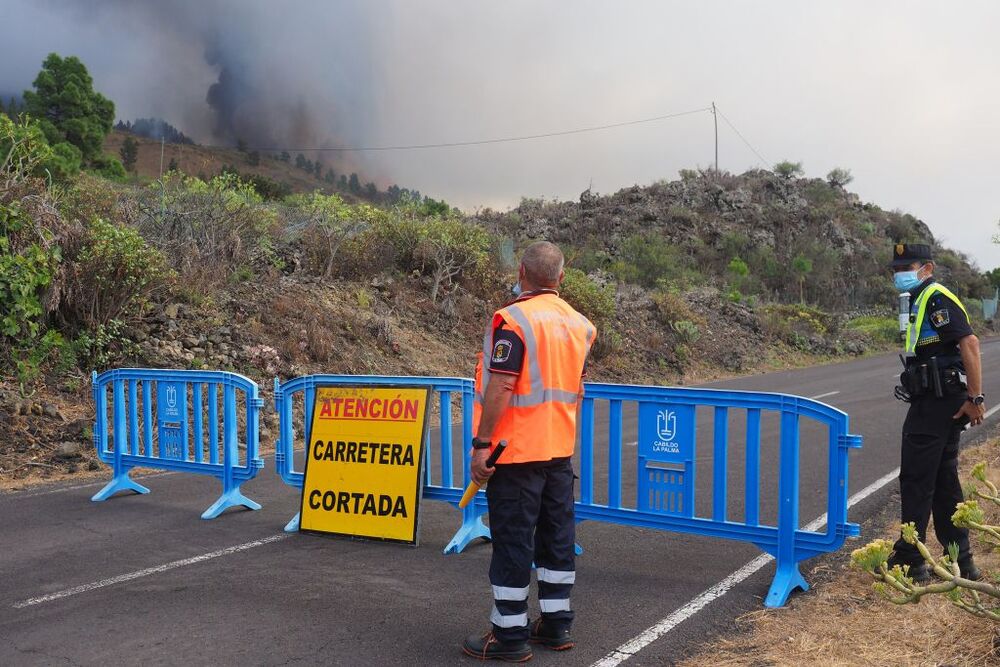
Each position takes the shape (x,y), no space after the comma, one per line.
(488,647)
(551,638)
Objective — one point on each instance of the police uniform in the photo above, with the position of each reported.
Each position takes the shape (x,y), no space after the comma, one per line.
(934,384)
(543,343)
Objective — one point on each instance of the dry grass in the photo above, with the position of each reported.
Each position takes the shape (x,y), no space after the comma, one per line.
(842,621)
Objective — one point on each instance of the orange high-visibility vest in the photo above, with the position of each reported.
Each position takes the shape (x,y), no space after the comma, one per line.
(540,422)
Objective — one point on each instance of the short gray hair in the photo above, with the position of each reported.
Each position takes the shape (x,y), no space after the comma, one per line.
(543,264)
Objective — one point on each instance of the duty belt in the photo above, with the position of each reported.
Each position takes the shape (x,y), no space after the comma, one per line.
(935,375)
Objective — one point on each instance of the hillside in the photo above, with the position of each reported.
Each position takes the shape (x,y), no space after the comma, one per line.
(709,275)
(280,176)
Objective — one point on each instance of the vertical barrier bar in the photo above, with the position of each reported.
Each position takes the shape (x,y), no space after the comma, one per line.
(587,451)
(447,479)
(720,460)
(147,417)
(185,427)
(198,429)
(118,419)
(133,418)
(467,407)
(787,577)
(615,454)
(101,407)
(229,460)
(213,423)
(753,468)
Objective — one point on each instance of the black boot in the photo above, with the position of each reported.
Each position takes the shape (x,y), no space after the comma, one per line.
(919,572)
(968,569)
(549,637)
(488,647)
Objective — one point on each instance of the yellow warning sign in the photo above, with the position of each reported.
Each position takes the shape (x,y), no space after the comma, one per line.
(363,462)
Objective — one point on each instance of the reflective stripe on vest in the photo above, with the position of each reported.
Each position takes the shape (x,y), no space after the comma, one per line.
(914,327)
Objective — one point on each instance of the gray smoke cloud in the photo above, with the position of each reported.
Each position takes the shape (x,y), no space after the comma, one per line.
(897,91)
(219,70)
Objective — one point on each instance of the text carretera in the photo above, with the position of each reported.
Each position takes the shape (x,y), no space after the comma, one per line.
(380,453)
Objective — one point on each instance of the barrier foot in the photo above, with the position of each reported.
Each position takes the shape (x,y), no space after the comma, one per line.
(293,525)
(231,498)
(471,530)
(120,482)
(786,580)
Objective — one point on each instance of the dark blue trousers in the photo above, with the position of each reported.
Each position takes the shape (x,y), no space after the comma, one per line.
(531,520)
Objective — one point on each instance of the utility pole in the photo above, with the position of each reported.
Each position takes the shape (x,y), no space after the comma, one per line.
(161,156)
(715,119)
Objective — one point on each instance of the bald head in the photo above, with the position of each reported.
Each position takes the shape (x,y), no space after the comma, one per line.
(541,266)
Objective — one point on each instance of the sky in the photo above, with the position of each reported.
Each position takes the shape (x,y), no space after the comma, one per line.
(903,94)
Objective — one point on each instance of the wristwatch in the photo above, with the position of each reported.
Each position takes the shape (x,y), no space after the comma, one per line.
(481,444)
(976,400)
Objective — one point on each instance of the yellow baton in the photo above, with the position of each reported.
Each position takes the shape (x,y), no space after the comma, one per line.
(473,488)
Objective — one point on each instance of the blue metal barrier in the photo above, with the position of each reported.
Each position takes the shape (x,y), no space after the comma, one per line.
(184,428)
(666,464)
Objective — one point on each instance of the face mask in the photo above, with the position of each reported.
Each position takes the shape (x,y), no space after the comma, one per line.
(516,289)
(906,280)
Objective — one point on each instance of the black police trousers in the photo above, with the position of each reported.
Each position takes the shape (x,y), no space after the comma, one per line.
(531,520)
(928,473)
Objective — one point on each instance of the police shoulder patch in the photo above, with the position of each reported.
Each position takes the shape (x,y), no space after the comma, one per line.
(501,351)
(939,318)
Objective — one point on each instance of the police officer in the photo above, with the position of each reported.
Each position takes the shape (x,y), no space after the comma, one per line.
(528,385)
(943,383)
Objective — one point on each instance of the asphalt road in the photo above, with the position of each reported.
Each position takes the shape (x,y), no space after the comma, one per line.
(141,579)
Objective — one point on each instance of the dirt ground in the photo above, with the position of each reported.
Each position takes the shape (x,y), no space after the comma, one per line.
(843,621)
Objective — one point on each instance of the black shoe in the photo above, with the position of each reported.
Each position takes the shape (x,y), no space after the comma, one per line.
(488,647)
(920,573)
(557,640)
(968,569)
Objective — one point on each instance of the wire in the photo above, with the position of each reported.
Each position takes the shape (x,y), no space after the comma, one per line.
(764,163)
(480,142)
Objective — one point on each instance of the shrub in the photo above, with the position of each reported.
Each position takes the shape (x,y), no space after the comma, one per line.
(205,226)
(327,222)
(687,332)
(880,329)
(787,169)
(645,259)
(671,307)
(114,277)
(595,302)
(839,177)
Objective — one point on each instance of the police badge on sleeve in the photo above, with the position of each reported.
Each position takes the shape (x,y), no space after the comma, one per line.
(501,351)
(939,318)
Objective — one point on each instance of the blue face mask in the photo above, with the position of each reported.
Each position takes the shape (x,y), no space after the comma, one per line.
(516,289)
(906,280)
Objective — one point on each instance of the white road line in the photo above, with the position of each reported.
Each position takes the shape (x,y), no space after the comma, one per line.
(829,393)
(148,571)
(651,634)
(992,411)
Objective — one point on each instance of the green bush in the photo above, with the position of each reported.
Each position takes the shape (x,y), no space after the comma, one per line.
(878,329)
(647,258)
(595,302)
(115,275)
(110,168)
(788,169)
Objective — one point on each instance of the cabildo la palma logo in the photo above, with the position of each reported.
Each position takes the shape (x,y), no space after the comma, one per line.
(666,431)
(171,401)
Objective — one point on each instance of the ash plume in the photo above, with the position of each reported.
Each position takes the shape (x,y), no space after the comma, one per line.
(221,71)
